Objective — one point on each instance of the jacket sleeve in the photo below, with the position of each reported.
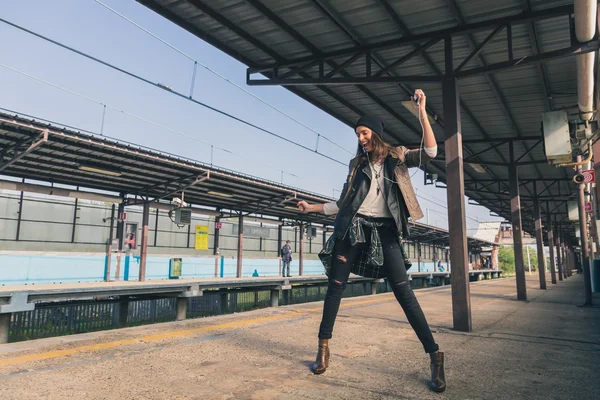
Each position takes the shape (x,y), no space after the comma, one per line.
(345,188)
(416,157)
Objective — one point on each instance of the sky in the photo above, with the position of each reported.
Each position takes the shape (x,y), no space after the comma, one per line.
(148,116)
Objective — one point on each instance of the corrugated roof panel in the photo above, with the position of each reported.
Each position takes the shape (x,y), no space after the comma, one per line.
(481,10)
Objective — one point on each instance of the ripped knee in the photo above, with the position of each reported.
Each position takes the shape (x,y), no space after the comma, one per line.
(337,284)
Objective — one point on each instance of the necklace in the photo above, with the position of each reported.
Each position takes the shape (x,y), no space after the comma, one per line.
(377,175)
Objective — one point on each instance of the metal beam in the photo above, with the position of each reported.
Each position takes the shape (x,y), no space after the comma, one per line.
(529,151)
(183,184)
(477,50)
(362,80)
(302,40)
(573,50)
(18,153)
(405,58)
(271,202)
(420,38)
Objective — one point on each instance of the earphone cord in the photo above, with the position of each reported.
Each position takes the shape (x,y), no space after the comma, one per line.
(420,150)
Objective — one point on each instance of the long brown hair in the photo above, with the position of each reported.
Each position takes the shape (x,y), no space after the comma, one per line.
(380,151)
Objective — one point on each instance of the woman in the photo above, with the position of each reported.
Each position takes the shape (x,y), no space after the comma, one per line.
(372,217)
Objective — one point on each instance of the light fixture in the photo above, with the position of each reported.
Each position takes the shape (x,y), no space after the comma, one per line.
(410,106)
(478,167)
(98,170)
(220,194)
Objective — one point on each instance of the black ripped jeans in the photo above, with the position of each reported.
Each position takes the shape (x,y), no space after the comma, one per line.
(345,255)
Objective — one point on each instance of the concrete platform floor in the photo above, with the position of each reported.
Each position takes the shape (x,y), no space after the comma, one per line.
(546,348)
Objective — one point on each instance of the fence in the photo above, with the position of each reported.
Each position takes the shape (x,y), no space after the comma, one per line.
(65,318)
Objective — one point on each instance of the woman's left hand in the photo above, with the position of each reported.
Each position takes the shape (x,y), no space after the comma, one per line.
(421,103)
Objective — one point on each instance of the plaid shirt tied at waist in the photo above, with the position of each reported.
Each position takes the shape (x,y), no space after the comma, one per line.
(370,260)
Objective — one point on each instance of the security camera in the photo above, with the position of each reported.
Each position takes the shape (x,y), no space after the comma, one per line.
(579,178)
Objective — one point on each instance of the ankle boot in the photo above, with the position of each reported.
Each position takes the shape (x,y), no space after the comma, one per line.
(322,361)
(438,377)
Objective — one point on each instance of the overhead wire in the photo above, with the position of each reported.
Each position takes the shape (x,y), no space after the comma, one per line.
(196,62)
(141,119)
(169,90)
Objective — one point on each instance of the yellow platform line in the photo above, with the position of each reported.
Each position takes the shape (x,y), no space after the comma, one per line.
(169,335)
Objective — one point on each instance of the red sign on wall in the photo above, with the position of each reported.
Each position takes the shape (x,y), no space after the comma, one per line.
(218,225)
(588,206)
(588,176)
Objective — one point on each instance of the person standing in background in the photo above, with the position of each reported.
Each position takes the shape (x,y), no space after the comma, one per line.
(286,258)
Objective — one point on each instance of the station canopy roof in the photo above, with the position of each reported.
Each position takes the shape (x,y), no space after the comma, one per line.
(513,60)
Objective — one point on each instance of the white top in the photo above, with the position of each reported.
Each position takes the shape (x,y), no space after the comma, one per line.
(374,205)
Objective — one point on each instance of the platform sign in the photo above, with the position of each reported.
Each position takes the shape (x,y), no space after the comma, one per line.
(218,225)
(588,176)
(201,237)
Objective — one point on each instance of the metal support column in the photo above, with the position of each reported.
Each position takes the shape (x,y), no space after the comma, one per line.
(418,256)
(457,226)
(324,237)
(109,248)
(551,246)
(279,246)
(156,228)
(515,207)
(539,239)
(144,242)
(120,234)
(559,260)
(217,236)
(563,249)
(19,215)
(569,260)
(583,231)
(189,234)
(74,220)
(240,245)
(301,251)
(279,240)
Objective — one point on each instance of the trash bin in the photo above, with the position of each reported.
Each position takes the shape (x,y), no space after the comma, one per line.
(175,268)
(596,276)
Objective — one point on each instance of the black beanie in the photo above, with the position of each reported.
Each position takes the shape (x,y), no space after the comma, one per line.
(372,122)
